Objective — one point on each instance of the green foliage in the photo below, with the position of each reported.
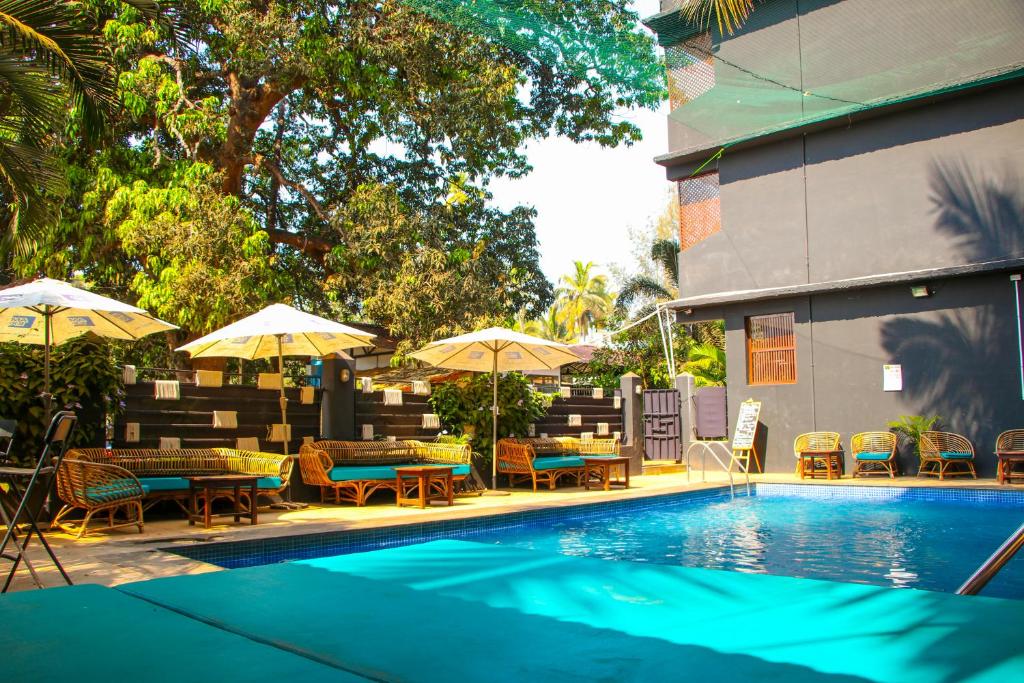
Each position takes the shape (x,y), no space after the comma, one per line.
(464,407)
(910,427)
(83,379)
(638,350)
(706,362)
(583,300)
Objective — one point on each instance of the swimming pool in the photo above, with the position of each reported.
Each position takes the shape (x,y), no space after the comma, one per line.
(889,536)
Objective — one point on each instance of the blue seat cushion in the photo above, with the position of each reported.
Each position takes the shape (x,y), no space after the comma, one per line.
(108,493)
(164,483)
(872,455)
(554,463)
(181,483)
(953,455)
(364,472)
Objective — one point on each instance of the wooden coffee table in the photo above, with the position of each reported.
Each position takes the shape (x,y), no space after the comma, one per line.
(602,466)
(423,480)
(1008,460)
(229,485)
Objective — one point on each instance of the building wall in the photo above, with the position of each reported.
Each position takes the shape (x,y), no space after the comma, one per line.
(928,187)
(958,350)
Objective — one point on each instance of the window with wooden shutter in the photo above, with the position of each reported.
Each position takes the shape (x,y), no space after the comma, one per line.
(771,349)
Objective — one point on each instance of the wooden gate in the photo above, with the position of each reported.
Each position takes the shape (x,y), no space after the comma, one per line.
(662,425)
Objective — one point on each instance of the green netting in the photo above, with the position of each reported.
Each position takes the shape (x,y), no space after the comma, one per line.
(595,39)
(798,62)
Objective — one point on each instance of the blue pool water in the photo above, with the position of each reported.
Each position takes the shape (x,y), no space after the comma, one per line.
(906,543)
(899,537)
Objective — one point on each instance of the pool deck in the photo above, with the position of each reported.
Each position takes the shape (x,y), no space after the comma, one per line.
(111,558)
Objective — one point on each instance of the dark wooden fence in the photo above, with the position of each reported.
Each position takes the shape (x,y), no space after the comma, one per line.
(190,418)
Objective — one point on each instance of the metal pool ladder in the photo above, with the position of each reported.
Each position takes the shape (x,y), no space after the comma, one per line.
(708,447)
(990,567)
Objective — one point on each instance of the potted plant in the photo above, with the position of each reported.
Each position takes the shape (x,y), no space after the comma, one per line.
(908,431)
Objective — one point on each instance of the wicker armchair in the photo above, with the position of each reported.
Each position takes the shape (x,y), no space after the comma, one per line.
(945,454)
(874,453)
(1010,452)
(97,488)
(818,453)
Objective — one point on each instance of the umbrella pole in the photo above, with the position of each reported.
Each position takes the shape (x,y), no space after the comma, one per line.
(494,424)
(47,316)
(283,399)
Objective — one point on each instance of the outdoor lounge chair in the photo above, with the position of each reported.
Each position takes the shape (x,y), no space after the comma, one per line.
(817,453)
(1010,452)
(520,462)
(945,454)
(874,453)
(98,488)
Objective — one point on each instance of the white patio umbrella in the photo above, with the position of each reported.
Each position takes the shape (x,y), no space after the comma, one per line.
(50,312)
(278,330)
(495,350)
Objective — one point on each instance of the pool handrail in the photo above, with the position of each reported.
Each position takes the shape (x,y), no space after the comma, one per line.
(990,567)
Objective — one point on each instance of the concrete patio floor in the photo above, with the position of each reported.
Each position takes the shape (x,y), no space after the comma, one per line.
(114,557)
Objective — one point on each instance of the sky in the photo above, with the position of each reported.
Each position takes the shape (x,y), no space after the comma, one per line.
(587,197)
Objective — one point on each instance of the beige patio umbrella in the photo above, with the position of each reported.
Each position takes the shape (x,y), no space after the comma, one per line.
(50,312)
(495,350)
(278,330)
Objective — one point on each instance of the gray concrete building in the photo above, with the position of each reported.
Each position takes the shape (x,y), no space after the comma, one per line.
(851,187)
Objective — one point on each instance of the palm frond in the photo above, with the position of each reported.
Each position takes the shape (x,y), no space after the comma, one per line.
(637,288)
(666,254)
(729,14)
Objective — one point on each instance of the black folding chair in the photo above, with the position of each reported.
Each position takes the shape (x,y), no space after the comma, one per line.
(32,495)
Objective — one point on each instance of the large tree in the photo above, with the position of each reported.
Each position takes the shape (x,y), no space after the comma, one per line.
(348,146)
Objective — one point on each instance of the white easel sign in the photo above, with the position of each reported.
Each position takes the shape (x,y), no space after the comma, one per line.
(892,378)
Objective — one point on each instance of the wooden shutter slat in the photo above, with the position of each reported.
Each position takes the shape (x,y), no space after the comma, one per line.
(771,349)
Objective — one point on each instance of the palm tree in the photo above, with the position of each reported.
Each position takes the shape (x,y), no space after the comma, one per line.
(729,14)
(52,60)
(548,327)
(665,253)
(583,300)
(706,362)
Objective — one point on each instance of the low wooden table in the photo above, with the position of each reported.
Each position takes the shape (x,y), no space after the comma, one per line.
(422,480)
(1007,461)
(833,462)
(231,484)
(602,466)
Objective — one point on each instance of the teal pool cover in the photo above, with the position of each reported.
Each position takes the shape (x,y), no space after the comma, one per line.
(451,610)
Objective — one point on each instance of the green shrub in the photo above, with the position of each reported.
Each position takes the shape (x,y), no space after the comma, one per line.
(464,408)
(83,379)
(910,427)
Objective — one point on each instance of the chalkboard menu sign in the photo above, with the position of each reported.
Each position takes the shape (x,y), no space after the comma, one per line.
(746,425)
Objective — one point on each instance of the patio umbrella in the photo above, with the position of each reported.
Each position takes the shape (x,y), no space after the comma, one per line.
(50,312)
(495,350)
(280,331)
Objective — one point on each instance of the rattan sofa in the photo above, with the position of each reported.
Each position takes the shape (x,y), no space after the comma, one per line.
(549,460)
(161,473)
(351,471)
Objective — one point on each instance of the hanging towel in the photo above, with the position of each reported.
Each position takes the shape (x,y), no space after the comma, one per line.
(430,421)
(602,429)
(531,430)
(128,374)
(306,440)
(170,443)
(247,443)
(566,392)
(421,388)
(131,432)
(598,392)
(586,436)
(225,419)
(366,385)
(279,433)
(575,420)
(392,397)
(617,403)
(307,395)
(268,380)
(392,438)
(167,389)
(209,378)
(367,432)
(617,436)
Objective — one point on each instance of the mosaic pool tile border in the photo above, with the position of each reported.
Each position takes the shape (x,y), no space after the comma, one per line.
(1010,497)
(238,554)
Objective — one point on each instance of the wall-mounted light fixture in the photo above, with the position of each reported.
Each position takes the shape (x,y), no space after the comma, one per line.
(920,291)
(687,311)
(345,375)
